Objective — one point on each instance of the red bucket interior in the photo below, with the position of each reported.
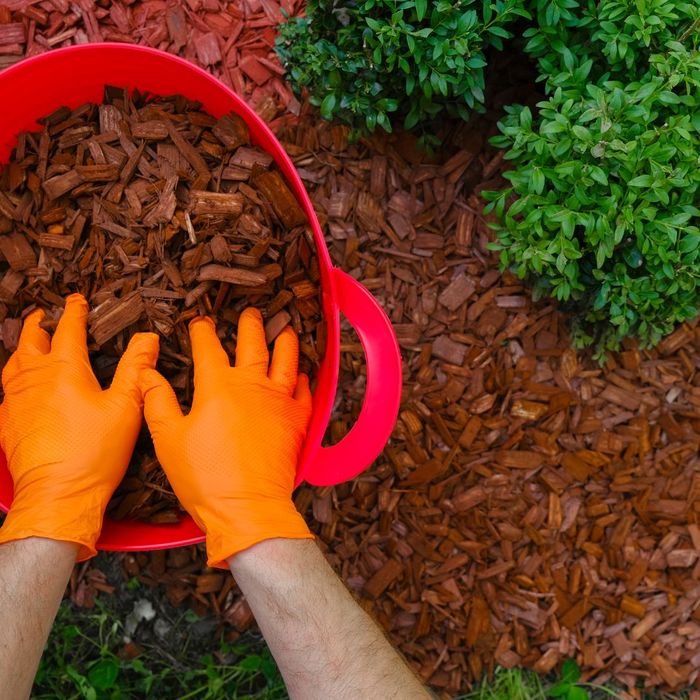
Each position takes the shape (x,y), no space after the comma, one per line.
(73,76)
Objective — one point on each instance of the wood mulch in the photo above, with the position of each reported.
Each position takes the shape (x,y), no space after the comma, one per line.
(156,212)
(232,40)
(530,506)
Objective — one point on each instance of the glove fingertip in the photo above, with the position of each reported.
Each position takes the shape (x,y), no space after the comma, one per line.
(145,348)
(76,298)
(159,400)
(252,313)
(75,309)
(35,316)
(201,319)
(302,392)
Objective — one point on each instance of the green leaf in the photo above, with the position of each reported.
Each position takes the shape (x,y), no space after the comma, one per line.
(689,243)
(270,671)
(421,9)
(499,31)
(526,118)
(577,693)
(570,671)
(559,690)
(568,224)
(411,119)
(384,122)
(191,617)
(538,181)
(251,663)
(598,174)
(410,84)
(641,181)
(327,106)
(549,128)
(103,674)
(466,21)
(669,98)
(81,683)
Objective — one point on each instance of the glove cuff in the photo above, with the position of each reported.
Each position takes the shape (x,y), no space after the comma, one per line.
(72,521)
(225,538)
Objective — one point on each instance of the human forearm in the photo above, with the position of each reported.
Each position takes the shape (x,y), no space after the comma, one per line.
(33,576)
(232,461)
(324,643)
(68,443)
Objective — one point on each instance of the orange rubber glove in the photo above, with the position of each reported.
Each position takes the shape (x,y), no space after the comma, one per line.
(67,442)
(232,460)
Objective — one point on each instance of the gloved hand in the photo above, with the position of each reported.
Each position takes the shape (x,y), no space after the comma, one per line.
(232,460)
(67,442)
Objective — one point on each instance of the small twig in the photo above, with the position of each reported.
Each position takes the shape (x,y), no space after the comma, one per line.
(695,25)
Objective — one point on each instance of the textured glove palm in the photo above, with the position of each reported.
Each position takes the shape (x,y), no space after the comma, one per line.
(232,460)
(67,441)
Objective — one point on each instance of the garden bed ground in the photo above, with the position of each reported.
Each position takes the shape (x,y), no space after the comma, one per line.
(531,506)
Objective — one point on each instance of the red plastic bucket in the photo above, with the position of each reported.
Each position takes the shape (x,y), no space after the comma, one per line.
(72,76)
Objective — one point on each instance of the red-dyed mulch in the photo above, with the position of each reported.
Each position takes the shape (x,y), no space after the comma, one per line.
(531,506)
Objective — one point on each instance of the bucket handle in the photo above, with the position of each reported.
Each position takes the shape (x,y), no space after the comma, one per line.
(366,439)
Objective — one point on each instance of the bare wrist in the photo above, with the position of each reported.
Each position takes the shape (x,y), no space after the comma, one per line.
(41,546)
(274,554)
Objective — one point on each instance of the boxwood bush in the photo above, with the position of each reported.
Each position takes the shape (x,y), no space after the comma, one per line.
(602,209)
(368,62)
(575,41)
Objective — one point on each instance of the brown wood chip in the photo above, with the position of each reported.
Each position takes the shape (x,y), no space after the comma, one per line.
(216,203)
(17,251)
(275,190)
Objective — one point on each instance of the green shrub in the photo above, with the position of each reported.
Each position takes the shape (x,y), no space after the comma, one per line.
(602,212)
(366,62)
(575,41)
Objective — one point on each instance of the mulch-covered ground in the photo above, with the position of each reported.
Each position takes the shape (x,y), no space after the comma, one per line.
(531,505)
(233,40)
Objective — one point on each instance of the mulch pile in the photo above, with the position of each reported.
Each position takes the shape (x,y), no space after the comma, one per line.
(530,506)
